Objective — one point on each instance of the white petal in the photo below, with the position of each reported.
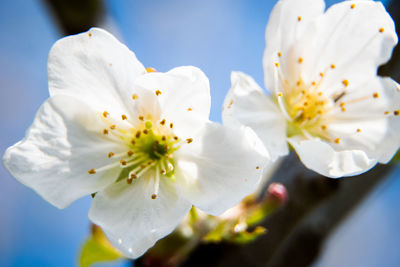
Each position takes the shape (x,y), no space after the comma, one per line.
(364,125)
(246,104)
(220,167)
(95,68)
(322,158)
(184,97)
(355,40)
(286,24)
(62,145)
(134,221)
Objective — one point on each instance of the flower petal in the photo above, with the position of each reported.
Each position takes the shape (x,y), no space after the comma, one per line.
(322,158)
(62,145)
(246,104)
(134,221)
(348,43)
(184,97)
(220,167)
(95,68)
(288,20)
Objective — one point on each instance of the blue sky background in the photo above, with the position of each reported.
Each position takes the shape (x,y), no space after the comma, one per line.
(217,36)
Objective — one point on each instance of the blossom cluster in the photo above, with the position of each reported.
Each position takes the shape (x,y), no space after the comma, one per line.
(141,142)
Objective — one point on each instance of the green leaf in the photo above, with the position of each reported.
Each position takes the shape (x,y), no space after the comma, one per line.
(246,237)
(396,158)
(97,249)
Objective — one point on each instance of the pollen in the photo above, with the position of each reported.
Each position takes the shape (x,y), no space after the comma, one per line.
(171,125)
(158,92)
(387,112)
(257,167)
(111,154)
(353,6)
(396,112)
(189,109)
(313,83)
(189,140)
(381,30)
(138,133)
(123,116)
(333,66)
(323,127)
(176,137)
(277,65)
(321,74)
(105,114)
(89,34)
(145,131)
(129,153)
(280,94)
(135,96)
(300,60)
(91,171)
(345,83)
(105,131)
(299,18)
(123,162)
(141,118)
(358,130)
(129,181)
(279,54)
(112,127)
(337,140)
(162,122)
(375,95)
(149,69)
(153,196)
(133,176)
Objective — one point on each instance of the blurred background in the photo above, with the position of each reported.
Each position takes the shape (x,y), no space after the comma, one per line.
(216,35)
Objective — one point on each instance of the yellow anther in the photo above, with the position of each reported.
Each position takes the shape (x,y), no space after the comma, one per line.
(279,54)
(105,114)
(345,83)
(105,131)
(298,83)
(91,171)
(342,104)
(376,95)
(153,196)
(387,112)
(135,96)
(337,140)
(299,18)
(129,153)
(313,83)
(176,138)
(123,116)
(158,92)
(129,181)
(189,109)
(112,127)
(133,176)
(319,93)
(162,122)
(149,69)
(123,162)
(163,172)
(171,125)
(333,66)
(300,60)
(141,118)
(321,74)
(343,109)
(358,130)
(381,30)
(280,94)
(323,127)
(133,142)
(189,140)
(277,65)
(353,6)
(163,138)
(111,154)
(145,131)
(257,167)
(396,112)
(89,34)
(138,133)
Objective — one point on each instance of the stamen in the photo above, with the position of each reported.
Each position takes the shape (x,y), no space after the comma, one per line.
(112,126)
(345,83)
(337,140)
(105,114)
(381,30)
(162,122)
(91,171)
(300,60)
(376,95)
(141,118)
(189,140)
(189,109)
(158,92)
(111,154)
(156,182)
(105,131)
(299,18)
(123,116)
(135,96)
(171,125)
(396,112)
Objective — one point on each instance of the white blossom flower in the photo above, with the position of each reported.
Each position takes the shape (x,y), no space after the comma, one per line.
(326,99)
(141,141)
